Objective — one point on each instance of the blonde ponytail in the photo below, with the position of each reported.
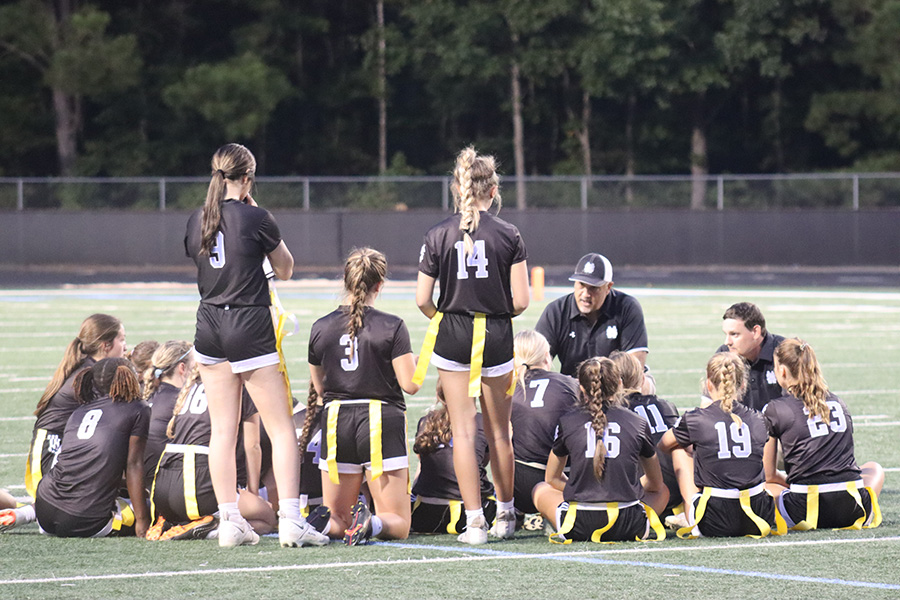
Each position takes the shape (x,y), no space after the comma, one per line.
(728,373)
(474,178)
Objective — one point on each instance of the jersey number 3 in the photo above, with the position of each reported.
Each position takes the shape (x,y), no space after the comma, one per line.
(477,259)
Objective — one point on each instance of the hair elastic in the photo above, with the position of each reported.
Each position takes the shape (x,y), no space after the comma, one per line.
(803,346)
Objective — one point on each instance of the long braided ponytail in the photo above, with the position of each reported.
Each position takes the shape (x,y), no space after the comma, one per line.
(601,388)
(474,178)
(364,270)
(728,373)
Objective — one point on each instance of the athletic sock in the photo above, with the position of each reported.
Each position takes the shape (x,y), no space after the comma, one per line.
(471,515)
(25,514)
(507,506)
(377,525)
(290,508)
(229,511)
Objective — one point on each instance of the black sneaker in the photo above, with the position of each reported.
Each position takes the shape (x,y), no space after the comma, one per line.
(361,527)
(319,518)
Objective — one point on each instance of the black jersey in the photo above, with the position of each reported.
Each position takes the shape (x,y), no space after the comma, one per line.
(627,439)
(536,409)
(162,405)
(360,368)
(193,428)
(763,385)
(727,455)
(86,479)
(478,282)
(232,274)
(573,338)
(437,477)
(661,415)
(63,403)
(310,476)
(814,452)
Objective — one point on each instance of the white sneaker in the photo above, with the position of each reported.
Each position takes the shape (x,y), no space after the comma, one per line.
(293,533)
(236,533)
(677,521)
(504,525)
(476,532)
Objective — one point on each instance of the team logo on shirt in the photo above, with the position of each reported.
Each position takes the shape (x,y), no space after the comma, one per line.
(572,334)
(770,377)
(589,268)
(612,332)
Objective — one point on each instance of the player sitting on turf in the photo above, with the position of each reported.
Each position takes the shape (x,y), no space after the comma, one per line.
(437,502)
(184,502)
(608,447)
(725,495)
(825,487)
(104,439)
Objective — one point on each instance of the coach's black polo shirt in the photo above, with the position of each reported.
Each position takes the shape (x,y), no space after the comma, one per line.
(619,326)
(763,385)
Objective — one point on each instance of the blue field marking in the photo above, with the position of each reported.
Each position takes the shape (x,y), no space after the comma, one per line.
(638,563)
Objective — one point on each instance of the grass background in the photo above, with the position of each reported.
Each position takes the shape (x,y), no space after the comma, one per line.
(854,332)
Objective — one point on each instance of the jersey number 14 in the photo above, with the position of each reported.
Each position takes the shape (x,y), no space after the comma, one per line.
(477,259)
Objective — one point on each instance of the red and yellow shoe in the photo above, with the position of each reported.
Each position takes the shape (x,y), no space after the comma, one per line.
(195,530)
(7,519)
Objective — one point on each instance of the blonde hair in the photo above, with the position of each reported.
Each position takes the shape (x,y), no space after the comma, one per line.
(436,428)
(474,177)
(231,161)
(531,350)
(364,270)
(96,330)
(810,387)
(189,384)
(729,374)
(113,377)
(631,370)
(601,388)
(163,363)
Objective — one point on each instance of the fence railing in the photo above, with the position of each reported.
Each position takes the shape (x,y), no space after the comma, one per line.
(848,191)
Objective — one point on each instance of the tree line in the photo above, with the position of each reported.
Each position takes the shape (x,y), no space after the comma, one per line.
(362,87)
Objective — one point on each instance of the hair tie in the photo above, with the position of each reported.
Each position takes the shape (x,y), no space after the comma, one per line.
(157,372)
(221,172)
(803,346)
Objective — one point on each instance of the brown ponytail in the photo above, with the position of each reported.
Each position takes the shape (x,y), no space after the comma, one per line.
(601,388)
(163,363)
(631,370)
(314,406)
(96,330)
(809,384)
(436,428)
(231,161)
(364,270)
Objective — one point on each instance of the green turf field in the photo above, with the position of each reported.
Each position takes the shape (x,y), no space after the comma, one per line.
(854,333)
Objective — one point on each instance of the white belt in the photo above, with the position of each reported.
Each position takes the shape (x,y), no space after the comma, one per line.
(734,493)
(604,505)
(343,402)
(827,487)
(185,448)
(533,465)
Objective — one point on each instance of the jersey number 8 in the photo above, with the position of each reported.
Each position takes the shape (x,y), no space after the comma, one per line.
(89,424)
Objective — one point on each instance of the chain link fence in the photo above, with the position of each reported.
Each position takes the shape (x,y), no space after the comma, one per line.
(844,191)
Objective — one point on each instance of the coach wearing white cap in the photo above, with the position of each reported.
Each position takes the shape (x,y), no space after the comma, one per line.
(595,319)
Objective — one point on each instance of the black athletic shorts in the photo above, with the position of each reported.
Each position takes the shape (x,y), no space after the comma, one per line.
(724,517)
(61,524)
(241,335)
(631,524)
(526,478)
(836,509)
(453,346)
(354,431)
(447,516)
(171,499)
